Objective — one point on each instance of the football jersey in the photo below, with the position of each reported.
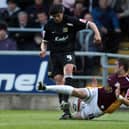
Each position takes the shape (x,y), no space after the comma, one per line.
(61,36)
(106,96)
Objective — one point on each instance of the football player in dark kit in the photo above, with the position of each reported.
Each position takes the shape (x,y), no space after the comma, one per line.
(93,101)
(59,35)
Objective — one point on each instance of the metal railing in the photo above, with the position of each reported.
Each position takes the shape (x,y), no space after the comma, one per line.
(103,58)
(12,29)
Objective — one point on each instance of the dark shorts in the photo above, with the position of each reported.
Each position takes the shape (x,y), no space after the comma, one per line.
(59,60)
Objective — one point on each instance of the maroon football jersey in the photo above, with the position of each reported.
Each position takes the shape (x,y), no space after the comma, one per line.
(106,96)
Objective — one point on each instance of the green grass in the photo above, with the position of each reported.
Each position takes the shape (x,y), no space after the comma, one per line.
(49,120)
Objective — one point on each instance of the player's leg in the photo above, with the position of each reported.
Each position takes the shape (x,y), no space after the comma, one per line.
(63,99)
(57,72)
(58,68)
(68,74)
(68,71)
(82,93)
(68,61)
(59,79)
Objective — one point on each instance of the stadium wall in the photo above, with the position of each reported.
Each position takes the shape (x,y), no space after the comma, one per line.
(29,102)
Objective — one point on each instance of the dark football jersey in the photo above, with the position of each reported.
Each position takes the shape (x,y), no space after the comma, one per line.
(61,36)
(106,96)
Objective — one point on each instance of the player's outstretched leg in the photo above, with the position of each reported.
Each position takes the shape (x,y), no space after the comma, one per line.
(64,89)
(81,93)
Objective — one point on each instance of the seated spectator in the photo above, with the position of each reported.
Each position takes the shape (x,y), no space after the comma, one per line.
(69,4)
(40,22)
(5,42)
(108,23)
(41,19)
(23,4)
(25,40)
(68,10)
(38,5)
(79,10)
(89,4)
(121,7)
(9,14)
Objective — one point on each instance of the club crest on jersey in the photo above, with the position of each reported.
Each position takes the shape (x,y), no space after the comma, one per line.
(65,29)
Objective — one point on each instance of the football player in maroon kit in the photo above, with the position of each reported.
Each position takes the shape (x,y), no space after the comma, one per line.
(93,101)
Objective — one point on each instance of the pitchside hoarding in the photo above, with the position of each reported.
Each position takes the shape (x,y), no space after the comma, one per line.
(21,72)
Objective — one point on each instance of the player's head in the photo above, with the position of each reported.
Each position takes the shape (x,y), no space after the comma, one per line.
(122,65)
(57,12)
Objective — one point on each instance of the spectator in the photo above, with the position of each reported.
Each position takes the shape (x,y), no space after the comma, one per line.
(40,23)
(23,4)
(67,9)
(5,42)
(79,10)
(108,23)
(10,13)
(89,4)
(25,40)
(41,19)
(121,7)
(69,4)
(37,6)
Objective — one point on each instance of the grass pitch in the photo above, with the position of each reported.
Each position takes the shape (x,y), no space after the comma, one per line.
(49,120)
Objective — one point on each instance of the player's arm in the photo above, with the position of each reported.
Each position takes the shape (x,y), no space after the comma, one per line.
(97,35)
(43,45)
(43,48)
(124,100)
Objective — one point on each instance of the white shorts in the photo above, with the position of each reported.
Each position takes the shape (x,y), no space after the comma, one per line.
(91,109)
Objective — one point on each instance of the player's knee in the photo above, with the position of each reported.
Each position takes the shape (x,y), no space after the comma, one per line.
(59,79)
(68,68)
(79,93)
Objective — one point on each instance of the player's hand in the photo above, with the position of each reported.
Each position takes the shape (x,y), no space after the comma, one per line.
(97,39)
(117,90)
(43,54)
(43,49)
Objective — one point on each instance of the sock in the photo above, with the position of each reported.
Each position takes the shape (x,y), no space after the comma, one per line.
(60,96)
(63,89)
(68,81)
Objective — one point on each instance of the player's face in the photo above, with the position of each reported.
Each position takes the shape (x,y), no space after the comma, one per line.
(118,68)
(58,17)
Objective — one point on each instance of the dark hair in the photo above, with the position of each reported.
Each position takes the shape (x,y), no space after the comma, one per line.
(56,8)
(11,1)
(124,63)
(3,25)
(40,11)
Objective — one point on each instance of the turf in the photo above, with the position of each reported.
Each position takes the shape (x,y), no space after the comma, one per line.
(49,120)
